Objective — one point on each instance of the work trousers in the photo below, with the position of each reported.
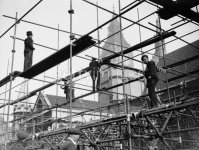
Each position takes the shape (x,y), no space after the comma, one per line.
(28,59)
(95,74)
(151,84)
(68,94)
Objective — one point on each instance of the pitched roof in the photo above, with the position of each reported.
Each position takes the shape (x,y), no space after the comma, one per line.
(78,104)
(181,54)
(174,58)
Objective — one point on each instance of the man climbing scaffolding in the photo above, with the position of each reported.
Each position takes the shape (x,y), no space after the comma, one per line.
(151,76)
(28,50)
(95,74)
(66,88)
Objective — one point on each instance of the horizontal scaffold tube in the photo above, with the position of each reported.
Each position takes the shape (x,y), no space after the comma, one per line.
(171,108)
(141,45)
(7,79)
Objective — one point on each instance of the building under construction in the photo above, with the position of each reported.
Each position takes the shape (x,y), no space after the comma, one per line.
(119,117)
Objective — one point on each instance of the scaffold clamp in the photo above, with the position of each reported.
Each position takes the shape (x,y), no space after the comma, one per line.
(17,21)
(128,117)
(71,11)
(72,37)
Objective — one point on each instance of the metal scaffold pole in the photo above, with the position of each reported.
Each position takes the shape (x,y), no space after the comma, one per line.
(57,65)
(128,123)
(143,90)
(5,96)
(71,12)
(140,35)
(121,43)
(57,72)
(98,38)
(33,128)
(163,52)
(10,88)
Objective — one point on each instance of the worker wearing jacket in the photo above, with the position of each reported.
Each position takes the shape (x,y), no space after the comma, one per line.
(28,51)
(151,76)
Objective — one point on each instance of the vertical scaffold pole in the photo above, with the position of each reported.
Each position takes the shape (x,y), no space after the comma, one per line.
(140,35)
(57,65)
(128,123)
(178,120)
(143,90)
(5,95)
(71,12)
(121,44)
(44,81)
(10,88)
(98,38)
(33,130)
(57,72)
(163,52)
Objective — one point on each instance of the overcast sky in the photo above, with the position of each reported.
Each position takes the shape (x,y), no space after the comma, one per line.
(55,12)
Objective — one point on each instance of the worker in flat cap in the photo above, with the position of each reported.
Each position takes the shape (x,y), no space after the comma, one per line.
(28,50)
(21,140)
(95,72)
(151,76)
(71,142)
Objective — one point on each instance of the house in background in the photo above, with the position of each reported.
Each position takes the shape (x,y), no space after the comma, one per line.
(55,119)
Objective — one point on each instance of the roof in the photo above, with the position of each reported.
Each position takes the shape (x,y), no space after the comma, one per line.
(181,54)
(51,100)
(78,104)
(183,60)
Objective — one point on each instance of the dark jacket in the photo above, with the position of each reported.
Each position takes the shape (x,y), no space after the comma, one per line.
(28,45)
(68,145)
(151,70)
(66,88)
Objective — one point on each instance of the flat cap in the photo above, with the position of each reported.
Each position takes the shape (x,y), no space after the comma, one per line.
(144,56)
(75,131)
(21,135)
(29,32)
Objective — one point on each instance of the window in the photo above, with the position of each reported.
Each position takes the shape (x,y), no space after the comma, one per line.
(105,75)
(39,104)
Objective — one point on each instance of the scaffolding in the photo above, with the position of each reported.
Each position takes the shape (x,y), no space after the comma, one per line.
(136,126)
